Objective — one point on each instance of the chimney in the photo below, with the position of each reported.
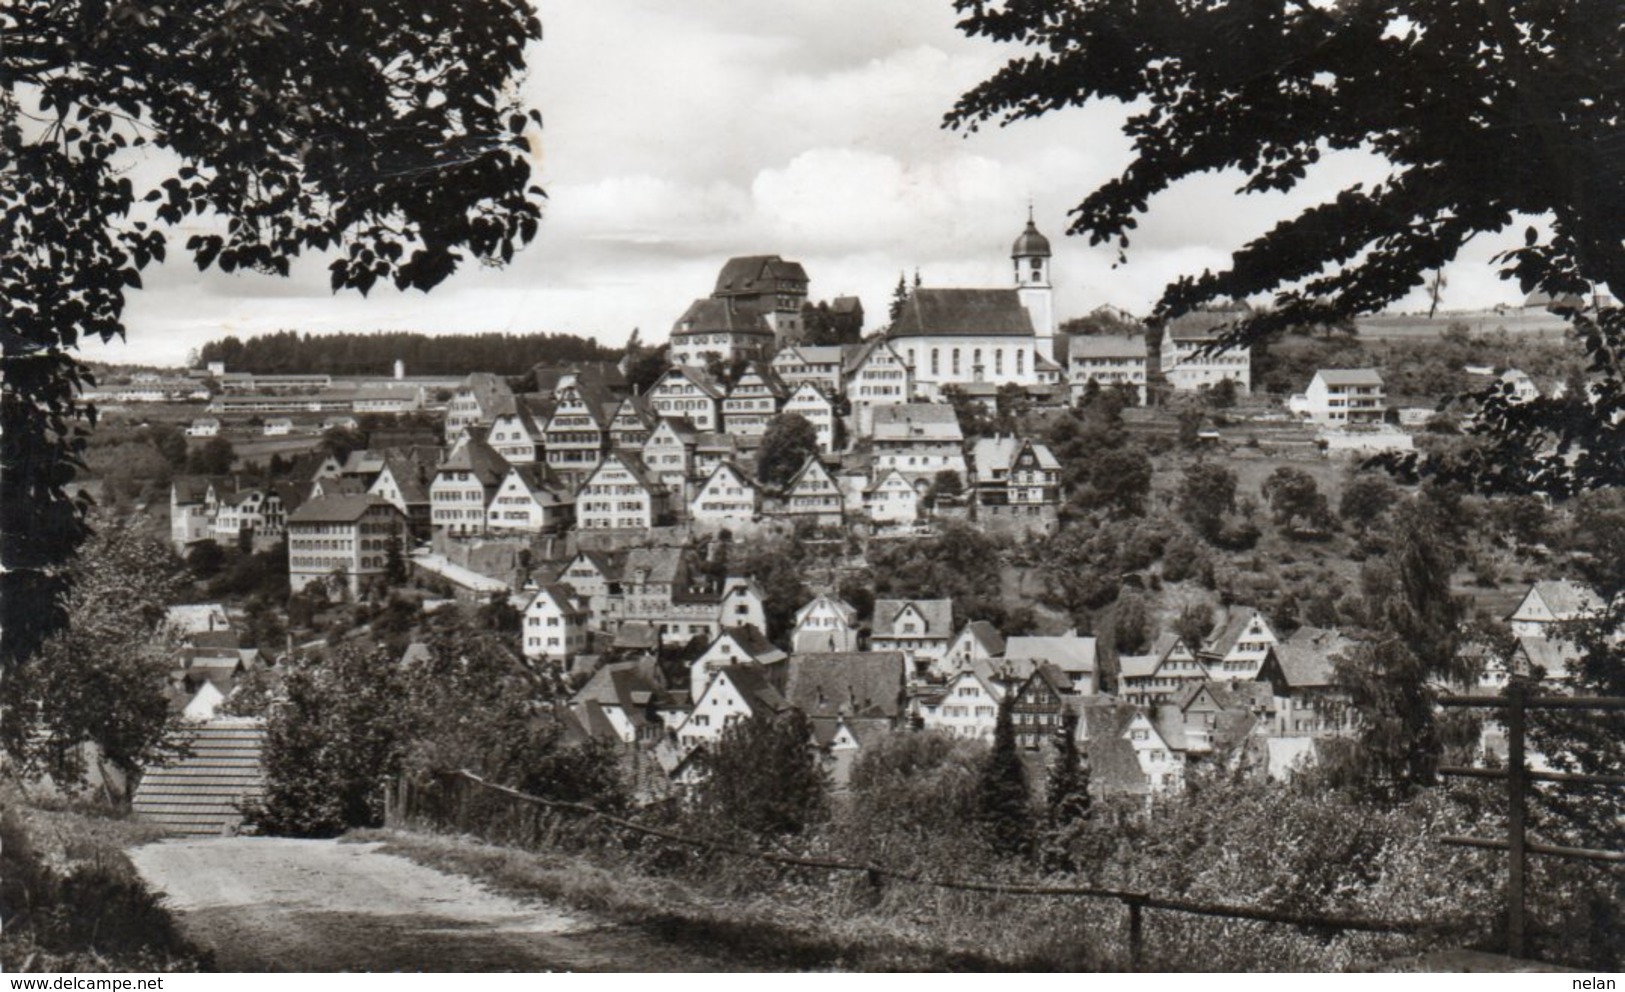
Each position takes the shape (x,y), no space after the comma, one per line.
(400,369)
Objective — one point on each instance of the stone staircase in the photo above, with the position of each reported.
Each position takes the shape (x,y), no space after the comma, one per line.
(203,794)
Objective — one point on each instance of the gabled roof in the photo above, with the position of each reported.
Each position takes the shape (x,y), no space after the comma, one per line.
(680,428)
(1072,653)
(755,689)
(962,312)
(857,354)
(854,683)
(726,465)
(408,476)
(764,376)
(846,611)
(1557,658)
(1053,677)
(1349,377)
(1229,629)
(887,476)
(699,377)
(663,565)
(1106,346)
(1308,660)
(540,482)
(339,508)
(985,634)
(846,304)
(811,354)
(561,595)
(810,467)
(594,396)
(363,463)
(937,613)
(1565,599)
(714,316)
(609,566)
(910,421)
(751,275)
(637,407)
(754,644)
(807,389)
(515,407)
(489,390)
(634,467)
(1114,768)
(472,454)
(1001,450)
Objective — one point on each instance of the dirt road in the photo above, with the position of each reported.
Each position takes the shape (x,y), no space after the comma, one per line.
(270,904)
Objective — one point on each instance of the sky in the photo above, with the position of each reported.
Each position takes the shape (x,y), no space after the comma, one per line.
(678,133)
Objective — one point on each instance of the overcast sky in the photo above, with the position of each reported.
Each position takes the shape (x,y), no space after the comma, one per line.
(681,132)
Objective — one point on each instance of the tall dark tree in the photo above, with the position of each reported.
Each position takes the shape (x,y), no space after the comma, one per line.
(899,298)
(1207,491)
(1296,502)
(1391,677)
(1484,110)
(384,134)
(1004,799)
(789,441)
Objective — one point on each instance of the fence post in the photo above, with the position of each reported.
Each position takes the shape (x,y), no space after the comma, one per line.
(1517,773)
(1136,934)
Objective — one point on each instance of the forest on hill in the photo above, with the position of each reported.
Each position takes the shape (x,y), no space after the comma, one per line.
(349,353)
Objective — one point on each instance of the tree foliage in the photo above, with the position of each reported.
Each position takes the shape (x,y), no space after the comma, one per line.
(101,680)
(382,134)
(764,776)
(350,353)
(1298,505)
(1003,798)
(1207,492)
(1485,111)
(789,441)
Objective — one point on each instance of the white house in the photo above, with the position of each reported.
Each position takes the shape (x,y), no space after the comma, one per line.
(813,495)
(891,499)
(348,536)
(727,498)
(976,644)
(920,628)
(968,707)
(278,427)
(554,624)
(1162,765)
(464,485)
(515,435)
(1188,365)
(819,366)
(577,434)
(1153,678)
(919,440)
(476,403)
(752,403)
(1552,602)
(529,501)
(620,495)
(1107,360)
(688,393)
(1238,646)
(827,624)
(876,377)
(204,427)
(1338,397)
(734,646)
(808,402)
(737,692)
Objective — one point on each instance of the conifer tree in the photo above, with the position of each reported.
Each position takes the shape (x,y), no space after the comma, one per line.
(1003,797)
(899,299)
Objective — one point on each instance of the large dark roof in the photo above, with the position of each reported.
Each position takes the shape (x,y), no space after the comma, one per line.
(751,275)
(472,454)
(340,509)
(963,312)
(714,316)
(1030,243)
(854,683)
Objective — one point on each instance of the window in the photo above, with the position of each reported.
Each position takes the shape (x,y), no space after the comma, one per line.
(936,355)
(956,361)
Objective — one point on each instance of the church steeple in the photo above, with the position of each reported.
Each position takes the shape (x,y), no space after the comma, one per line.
(1030,259)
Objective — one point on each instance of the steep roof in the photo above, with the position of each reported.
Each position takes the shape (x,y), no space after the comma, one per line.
(1307,658)
(1206,324)
(855,683)
(846,611)
(662,564)
(1557,658)
(765,376)
(1566,599)
(756,690)
(714,316)
(408,475)
(907,421)
(755,644)
(1230,628)
(987,635)
(489,390)
(699,377)
(937,613)
(963,312)
(1114,768)
(1000,452)
(751,275)
(472,454)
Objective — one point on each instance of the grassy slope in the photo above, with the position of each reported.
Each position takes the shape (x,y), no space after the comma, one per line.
(764,933)
(70,898)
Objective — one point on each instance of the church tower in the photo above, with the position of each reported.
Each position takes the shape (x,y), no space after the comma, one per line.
(1031,258)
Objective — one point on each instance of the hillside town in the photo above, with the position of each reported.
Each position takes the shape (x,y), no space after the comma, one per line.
(591,508)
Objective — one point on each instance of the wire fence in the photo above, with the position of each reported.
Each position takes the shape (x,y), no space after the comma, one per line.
(454,801)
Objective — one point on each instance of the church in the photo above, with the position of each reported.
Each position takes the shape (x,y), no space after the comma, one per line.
(964,337)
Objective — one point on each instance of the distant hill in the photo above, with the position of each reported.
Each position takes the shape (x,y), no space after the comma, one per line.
(1534,321)
(340,354)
